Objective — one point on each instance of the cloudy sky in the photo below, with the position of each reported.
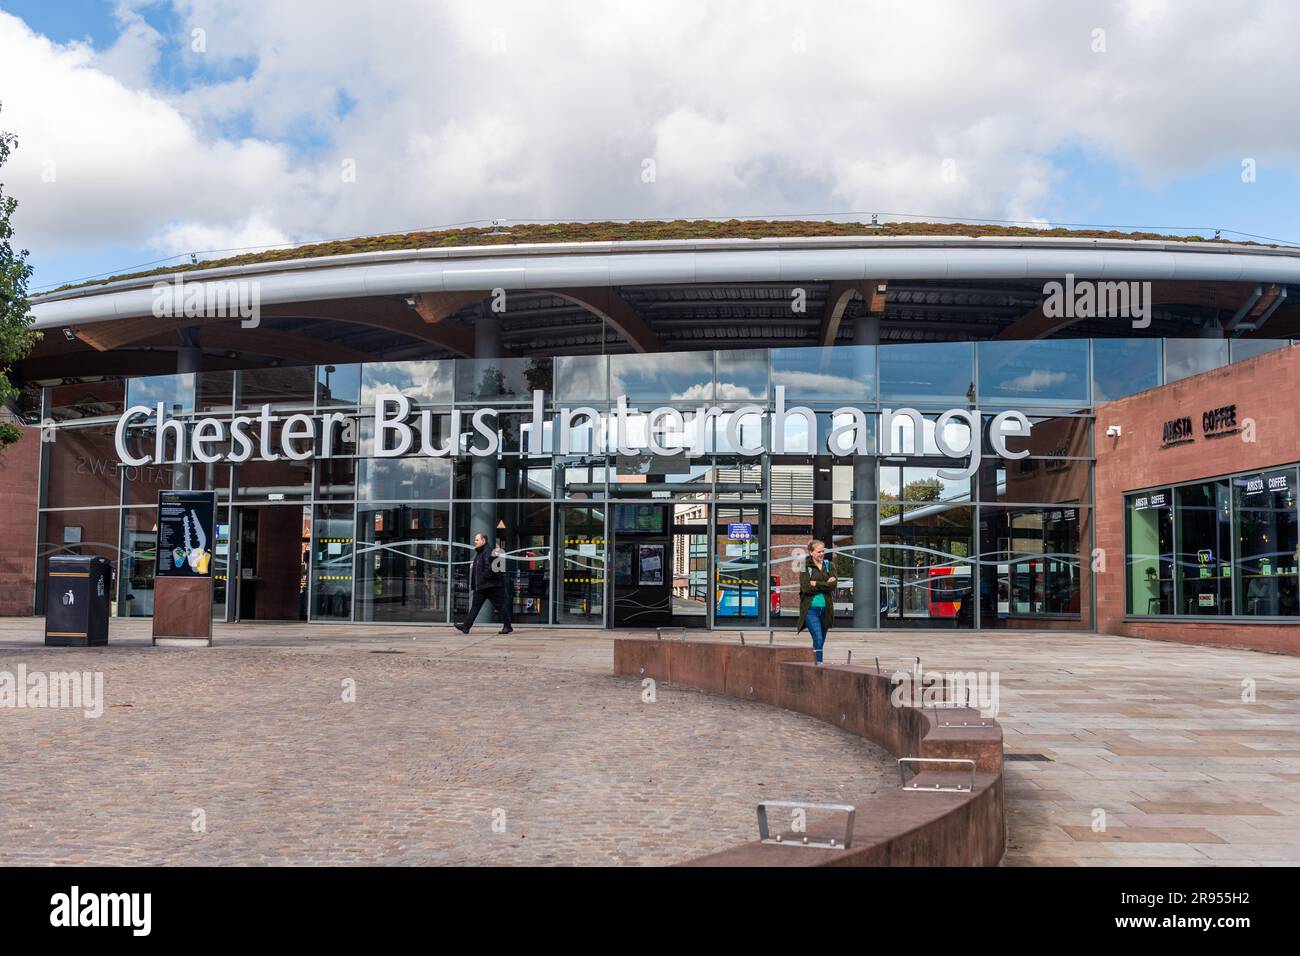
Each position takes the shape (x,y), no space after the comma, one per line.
(156,129)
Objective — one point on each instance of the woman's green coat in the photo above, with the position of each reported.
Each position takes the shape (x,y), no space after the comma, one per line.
(812,581)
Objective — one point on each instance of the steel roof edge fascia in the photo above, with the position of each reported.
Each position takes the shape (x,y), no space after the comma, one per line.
(678,246)
(683,261)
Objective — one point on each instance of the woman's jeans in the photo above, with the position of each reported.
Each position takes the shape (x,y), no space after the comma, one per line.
(817,628)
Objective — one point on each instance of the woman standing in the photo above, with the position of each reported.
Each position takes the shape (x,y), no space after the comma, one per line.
(816,610)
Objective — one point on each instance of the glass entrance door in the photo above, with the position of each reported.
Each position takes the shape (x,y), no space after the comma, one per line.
(690,564)
(272,552)
(742,589)
(580,585)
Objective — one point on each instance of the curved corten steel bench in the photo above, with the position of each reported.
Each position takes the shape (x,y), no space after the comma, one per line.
(898,828)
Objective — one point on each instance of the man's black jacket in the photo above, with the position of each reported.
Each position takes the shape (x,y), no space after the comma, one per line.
(482,576)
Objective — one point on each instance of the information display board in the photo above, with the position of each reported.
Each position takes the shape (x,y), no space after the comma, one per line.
(186,533)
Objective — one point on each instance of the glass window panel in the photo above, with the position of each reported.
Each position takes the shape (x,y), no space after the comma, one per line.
(1187,357)
(582,477)
(502,379)
(1034,480)
(791,530)
(424,383)
(654,476)
(845,374)
(176,392)
(439,437)
(927,566)
(337,385)
(901,439)
(403,479)
(1039,372)
(135,570)
(336,478)
(331,569)
(523,531)
(933,372)
(1032,568)
(403,564)
(1150,559)
(1268,554)
(911,485)
(273,480)
(211,477)
(792,478)
(1242,349)
(742,375)
(581,378)
(81,467)
(750,433)
(1204,564)
(66,403)
(1056,437)
(1122,367)
(662,376)
(215,392)
(281,387)
(513,432)
(89,531)
(510,476)
(739,478)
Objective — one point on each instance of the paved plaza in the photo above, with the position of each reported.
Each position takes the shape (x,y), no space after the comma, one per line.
(1121,751)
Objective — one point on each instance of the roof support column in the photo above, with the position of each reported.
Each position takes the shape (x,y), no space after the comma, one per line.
(189,357)
(866,513)
(483,468)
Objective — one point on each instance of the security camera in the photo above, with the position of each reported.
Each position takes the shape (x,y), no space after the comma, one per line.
(1113,431)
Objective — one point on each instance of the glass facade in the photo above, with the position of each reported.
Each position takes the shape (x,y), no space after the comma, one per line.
(1221,548)
(595,535)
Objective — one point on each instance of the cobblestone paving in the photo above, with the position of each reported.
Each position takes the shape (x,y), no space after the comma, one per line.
(1155,735)
(284,771)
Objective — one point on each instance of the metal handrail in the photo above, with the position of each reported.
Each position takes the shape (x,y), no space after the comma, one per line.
(936,788)
(847,808)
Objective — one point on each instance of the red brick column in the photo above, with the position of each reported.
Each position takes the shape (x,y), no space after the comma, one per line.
(19,496)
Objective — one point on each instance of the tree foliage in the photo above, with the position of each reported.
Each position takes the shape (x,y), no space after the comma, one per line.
(16,334)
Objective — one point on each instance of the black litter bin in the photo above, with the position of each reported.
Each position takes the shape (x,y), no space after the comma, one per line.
(77,591)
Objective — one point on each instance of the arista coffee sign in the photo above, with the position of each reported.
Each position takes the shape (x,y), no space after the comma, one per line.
(1215,423)
(1178,431)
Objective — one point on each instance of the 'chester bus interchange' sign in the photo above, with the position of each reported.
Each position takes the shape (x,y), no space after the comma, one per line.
(401,430)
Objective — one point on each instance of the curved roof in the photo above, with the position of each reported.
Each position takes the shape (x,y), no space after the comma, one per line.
(569,265)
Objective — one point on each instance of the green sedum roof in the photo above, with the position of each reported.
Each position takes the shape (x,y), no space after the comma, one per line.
(626,232)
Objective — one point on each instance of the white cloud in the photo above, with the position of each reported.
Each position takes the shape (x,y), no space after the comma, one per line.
(136,52)
(522,110)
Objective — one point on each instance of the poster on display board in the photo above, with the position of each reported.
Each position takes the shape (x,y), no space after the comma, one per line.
(186,536)
(652,565)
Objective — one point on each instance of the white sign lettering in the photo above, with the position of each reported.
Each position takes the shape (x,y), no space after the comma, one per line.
(400,430)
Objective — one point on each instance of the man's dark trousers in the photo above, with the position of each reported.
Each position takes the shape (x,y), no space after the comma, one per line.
(497,595)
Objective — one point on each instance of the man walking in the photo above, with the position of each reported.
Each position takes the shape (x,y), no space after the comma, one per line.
(486,583)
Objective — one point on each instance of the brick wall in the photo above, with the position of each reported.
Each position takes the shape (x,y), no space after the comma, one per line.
(19,497)
(1265,389)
